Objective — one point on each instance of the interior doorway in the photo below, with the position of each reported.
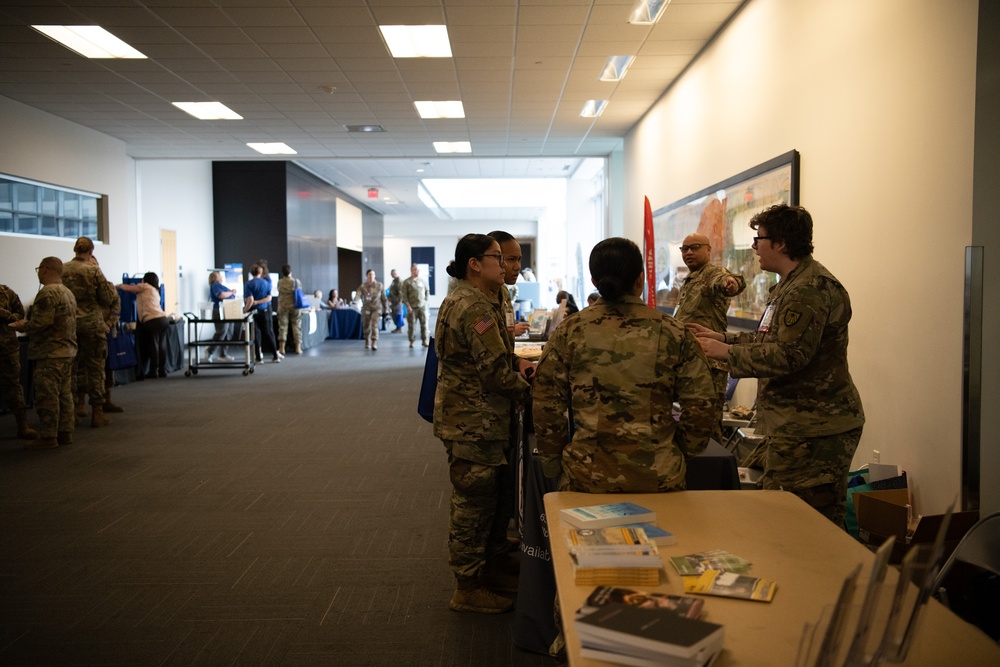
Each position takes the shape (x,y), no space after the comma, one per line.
(169,277)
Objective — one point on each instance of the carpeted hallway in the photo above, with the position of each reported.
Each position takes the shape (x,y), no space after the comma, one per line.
(297,516)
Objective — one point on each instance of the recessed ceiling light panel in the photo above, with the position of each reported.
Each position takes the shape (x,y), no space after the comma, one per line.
(273,148)
(208,110)
(647,12)
(364,128)
(593,108)
(417,41)
(448,109)
(90,41)
(615,68)
(453,146)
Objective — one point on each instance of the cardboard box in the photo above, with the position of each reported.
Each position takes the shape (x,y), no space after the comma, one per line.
(885,514)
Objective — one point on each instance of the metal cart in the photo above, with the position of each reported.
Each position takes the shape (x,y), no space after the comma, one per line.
(245,339)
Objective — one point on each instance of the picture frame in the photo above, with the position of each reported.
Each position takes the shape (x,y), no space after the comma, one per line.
(722,212)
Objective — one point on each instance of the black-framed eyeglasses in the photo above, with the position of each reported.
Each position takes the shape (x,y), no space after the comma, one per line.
(40,267)
(694,247)
(757,239)
(497,256)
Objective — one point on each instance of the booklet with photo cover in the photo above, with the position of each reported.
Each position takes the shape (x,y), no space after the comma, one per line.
(612,547)
(730,585)
(682,605)
(716,559)
(611,514)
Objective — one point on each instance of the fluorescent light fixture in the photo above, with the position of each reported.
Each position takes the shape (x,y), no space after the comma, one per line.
(615,68)
(417,41)
(273,148)
(208,110)
(449,109)
(90,41)
(593,108)
(453,146)
(647,12)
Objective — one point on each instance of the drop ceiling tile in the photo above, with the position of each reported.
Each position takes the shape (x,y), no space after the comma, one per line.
(194,16)
(428,14)
(278,16)
(324,16)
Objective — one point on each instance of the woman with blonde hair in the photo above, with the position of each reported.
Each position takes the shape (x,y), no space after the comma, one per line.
(223,330)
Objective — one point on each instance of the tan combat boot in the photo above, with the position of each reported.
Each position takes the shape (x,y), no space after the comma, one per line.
(108,405)
(98,418)
(64,438)
(42,443)
(281,347)
(298,348)
(24,432)
(81,407)
(469,595)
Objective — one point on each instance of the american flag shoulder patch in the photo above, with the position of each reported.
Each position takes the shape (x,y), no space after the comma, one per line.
(483,325)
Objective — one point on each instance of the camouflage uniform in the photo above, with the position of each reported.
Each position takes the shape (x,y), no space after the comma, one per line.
(807,404)
(614,370)
(396,299)
(112,313)
(287,312)
(52,346)
(11,310)
(93,292)
(703,300)
(372,305)
(415,295)
(477,381)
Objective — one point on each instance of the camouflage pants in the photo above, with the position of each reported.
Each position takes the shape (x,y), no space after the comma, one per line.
(10,379)
(814,469)
(473,527)
(54,396)
(414,315)
(288,318)
(88,368)
(371,320)
(720,378)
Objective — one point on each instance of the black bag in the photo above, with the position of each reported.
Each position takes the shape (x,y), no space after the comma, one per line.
(425,402)
(121,349)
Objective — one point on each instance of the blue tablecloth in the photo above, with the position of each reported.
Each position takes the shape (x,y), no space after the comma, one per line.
(345,323)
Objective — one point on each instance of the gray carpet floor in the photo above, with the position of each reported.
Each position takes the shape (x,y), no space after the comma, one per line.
(297,516)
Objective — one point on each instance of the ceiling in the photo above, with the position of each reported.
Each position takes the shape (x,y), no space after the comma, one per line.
(299,71)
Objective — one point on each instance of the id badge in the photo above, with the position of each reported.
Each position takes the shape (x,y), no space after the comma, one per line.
(509,316)
(765,321)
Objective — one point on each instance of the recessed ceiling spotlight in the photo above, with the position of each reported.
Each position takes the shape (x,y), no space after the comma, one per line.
(647,12)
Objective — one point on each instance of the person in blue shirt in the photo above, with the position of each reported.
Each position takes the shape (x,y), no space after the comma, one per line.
(223,330)
(258,301)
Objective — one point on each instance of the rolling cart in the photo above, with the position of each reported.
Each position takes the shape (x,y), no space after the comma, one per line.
(244,338)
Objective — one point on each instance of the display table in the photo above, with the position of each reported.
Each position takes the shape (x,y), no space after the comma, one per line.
(787,541)
(345,324)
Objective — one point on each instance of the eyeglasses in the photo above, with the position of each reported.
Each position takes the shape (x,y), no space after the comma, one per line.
(757,239)
(497,256)
(39,268)
(694,247)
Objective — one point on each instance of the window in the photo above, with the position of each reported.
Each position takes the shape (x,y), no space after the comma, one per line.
(28,207)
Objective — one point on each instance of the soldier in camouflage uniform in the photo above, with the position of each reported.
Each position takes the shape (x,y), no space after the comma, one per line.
(704,299)
(93,293)
(807,405)
(477,382)
(415,295)
(11,310)
(616,368)
(373,302)
(52,346)
(396,301)
(288,314)
(111,315)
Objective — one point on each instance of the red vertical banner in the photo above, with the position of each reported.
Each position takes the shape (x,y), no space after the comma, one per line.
(650,250)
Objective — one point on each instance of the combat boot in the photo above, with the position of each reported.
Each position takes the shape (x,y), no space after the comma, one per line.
(498,576)
(64,438)
(281,348)
(42,443)
(298,348)
(81,408)
(97,417)
(469,595)
(24,432)
(108,405)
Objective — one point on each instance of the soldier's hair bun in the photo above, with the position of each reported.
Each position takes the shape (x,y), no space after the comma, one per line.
(615,264)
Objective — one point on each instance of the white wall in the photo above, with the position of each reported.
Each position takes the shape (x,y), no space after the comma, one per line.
(39,146)
(177,195)
(400,237)
(878,99)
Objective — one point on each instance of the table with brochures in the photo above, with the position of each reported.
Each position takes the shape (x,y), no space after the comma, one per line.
(788,542)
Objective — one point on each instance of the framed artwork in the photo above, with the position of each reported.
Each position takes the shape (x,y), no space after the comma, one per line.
(722,213)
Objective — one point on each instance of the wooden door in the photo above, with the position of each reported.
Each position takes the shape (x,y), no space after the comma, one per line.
(169,277)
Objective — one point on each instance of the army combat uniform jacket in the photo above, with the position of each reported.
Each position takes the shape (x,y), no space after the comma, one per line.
(703,300)
(52,328)
(372,297)
(11,303)
(93,293)
(415,293)
(799,354)
(611,373)
(477,376)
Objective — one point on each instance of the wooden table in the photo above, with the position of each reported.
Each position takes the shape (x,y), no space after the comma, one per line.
(787,541)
